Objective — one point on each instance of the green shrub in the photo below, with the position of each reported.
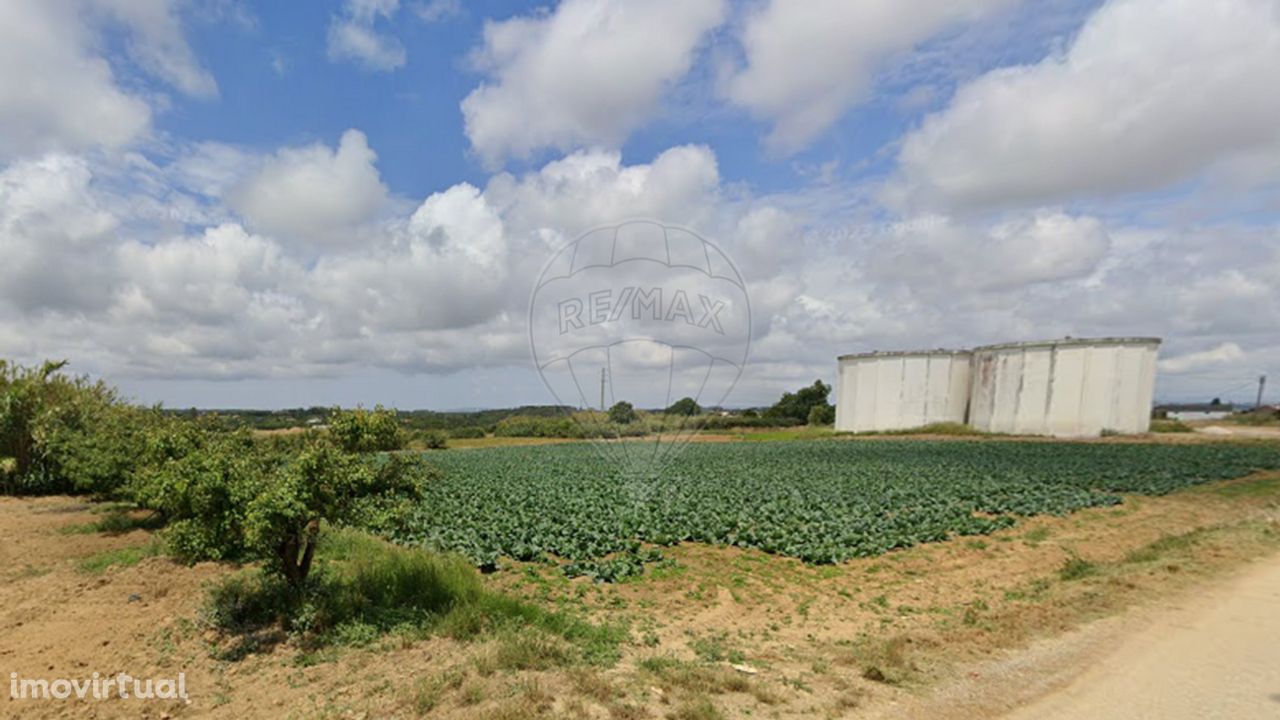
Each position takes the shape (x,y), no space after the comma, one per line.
(361,430)
(684,406)
(823,414)
(531,426)
(229,498)
(466,432)
(622,413)
(797,405)
(364,586)
(66,434)
(432,439)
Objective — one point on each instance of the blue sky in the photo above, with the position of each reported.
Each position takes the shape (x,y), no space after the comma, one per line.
(225,203)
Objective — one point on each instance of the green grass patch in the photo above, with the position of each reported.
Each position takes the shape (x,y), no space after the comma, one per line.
(124,557)
(1164,546)
(787,434)
(115,522)
(1257,487)
(1076,568)
(363,588)
(941,428)
(1037,535)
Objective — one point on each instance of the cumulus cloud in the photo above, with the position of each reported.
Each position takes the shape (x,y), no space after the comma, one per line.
(90,265)
(53,238)
(56,93)
(1225,353)
(1151,92)
(941,254)
(808,61)
(60,92)
(94,271)
(446,268)
(353,37)
(157,44)
(313,196)
(583,75)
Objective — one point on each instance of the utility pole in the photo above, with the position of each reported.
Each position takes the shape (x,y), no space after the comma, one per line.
(602,390)
(1262,384)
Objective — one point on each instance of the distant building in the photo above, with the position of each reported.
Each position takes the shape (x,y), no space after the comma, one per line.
(1196,411)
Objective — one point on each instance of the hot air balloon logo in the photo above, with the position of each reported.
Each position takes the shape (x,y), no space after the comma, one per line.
(640,315)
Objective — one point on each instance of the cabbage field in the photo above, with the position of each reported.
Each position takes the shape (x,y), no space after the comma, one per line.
(820,501)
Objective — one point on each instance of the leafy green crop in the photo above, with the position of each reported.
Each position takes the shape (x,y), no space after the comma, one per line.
(822,502)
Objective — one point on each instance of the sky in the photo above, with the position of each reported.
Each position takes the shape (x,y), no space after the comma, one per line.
(219,203)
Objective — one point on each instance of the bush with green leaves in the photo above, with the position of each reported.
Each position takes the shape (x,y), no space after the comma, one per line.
(532,426)
(686,406)
(622,413)
(824,414)
(797,405)
(432,439)
(361,430)
(229,497)
(66,434)
(466,432)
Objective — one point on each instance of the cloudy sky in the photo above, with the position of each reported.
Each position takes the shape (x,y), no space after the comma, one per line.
(232,204)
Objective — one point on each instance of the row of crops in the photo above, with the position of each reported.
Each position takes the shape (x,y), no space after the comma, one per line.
(823,502)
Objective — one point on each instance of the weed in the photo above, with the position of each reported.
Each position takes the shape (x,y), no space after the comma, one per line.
(698,709)
(1075,568)
(124,557)
(1037,535)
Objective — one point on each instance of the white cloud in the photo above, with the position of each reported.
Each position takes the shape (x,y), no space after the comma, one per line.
(53,237)
(941,254)
(583,75)
(808,61)
(1151,92)
(55,92)
(590,188)
(437,10)
(1228,352)
(352,36)
(93,266)
(445,268)
(313,196)
(157,44)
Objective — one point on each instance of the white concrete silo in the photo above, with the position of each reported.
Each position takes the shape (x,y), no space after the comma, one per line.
(1065,388)
(901,390)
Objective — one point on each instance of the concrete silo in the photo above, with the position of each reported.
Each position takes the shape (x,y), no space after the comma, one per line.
(1065,388)
(901,390)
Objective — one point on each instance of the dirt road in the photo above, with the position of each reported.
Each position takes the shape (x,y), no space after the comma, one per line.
(1216,657)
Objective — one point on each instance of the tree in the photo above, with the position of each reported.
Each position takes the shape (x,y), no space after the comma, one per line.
(622,413)
(65,434)
(797,405)
(823,414)
(229,497)
(684,406)
(361,430)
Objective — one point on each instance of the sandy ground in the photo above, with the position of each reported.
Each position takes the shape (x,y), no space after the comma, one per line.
(1267,432)
(1216,657)
(1203,653)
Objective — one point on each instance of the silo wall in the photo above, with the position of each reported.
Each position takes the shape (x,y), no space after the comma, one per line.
(902,390)
(1064,388)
